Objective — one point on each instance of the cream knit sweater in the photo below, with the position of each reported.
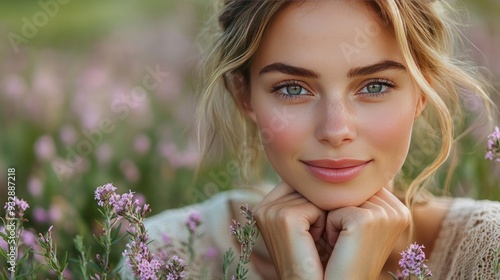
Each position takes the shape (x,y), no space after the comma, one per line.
(468,241)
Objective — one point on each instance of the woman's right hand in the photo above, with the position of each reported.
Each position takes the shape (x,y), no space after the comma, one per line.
(292,227)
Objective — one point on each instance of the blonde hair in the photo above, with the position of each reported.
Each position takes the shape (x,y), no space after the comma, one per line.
(426,34)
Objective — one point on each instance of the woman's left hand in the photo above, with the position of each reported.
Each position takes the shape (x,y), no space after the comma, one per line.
(364,236)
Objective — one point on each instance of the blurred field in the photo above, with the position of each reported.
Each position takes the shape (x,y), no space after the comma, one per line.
(93,92)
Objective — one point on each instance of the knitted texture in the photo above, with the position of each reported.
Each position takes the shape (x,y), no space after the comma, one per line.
(468,241)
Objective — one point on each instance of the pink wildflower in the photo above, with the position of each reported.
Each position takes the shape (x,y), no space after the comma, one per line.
(104,153)
(139,258)
(45,148)
(55,213)
(35,186)
(148,269)
(193,221)
(493,149)
(130,170)
(166,239)
(142,144)
(29,239)
(18,207)
(175,268)
(3,243)
(234,228)
(412,262)
(23,205)
(104,193)
(40,215)
(211,253)
(123,202)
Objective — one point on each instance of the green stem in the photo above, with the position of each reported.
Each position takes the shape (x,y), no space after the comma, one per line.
(107,241)
(190,247)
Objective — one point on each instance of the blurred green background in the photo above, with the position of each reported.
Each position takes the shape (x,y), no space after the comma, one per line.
(93,92)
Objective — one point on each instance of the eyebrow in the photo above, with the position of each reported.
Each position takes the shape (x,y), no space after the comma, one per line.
(289,69)
(374,68)
(358,71)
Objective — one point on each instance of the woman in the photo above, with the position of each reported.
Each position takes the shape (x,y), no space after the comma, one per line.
(333,92)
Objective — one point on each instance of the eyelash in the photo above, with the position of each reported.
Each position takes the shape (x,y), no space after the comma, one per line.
(279,86)
(383,82)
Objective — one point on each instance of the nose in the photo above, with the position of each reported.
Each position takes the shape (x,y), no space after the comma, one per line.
(336,123)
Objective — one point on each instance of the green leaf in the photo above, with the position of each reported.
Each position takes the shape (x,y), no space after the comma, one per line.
(227,261)
(118,240)
(3,253)
(30,272)
(64,262)
(94,266)
(116,231)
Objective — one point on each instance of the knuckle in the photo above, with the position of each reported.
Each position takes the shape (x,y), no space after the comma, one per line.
(276,215)
(259,212)
(406,216)
(284,215)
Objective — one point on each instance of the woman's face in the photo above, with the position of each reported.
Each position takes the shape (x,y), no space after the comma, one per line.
(333,100)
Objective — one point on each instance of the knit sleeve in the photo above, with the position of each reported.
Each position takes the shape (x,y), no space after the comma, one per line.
(469,242)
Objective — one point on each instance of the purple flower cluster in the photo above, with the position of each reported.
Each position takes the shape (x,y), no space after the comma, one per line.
(124,205)
(246,236)
(16,207)
(104,193)
(21,204)
(412,262)
(493,151)
(141,260)
(175,267)
(144,264)
(193,221)
(234,228)
(123,202)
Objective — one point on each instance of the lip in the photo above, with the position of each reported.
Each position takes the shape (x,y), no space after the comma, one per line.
(336,171)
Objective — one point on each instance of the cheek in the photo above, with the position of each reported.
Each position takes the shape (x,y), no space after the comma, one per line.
(283,131)
(391,135)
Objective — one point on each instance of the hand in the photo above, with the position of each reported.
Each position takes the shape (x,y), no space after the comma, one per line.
(290,226)
(364,236)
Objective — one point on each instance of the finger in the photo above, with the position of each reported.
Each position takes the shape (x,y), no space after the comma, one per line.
(389,203)
(281,190)
(389,198)
(285,226)
(335,223)
(318,227)
(289,200)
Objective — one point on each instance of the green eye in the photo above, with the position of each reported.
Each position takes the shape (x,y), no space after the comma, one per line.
(374,88)
(377,87)
(294,90)
(290,89)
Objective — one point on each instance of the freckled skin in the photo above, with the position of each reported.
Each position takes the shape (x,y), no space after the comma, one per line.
(329,82)
(336,118)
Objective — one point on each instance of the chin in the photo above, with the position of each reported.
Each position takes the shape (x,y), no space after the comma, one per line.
(332,205)
(336,202)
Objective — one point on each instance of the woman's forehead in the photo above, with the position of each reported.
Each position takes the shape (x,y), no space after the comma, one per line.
(344,34)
